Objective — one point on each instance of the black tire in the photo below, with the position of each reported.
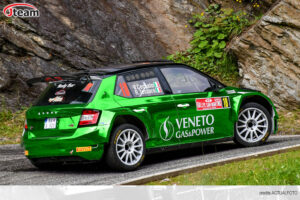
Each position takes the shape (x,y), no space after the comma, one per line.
(266,130)
(45,165)
(113,160)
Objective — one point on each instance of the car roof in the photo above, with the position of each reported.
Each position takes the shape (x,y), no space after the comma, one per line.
(107,70)
(113,69)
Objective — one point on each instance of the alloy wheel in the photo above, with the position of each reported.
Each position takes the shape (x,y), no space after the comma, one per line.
(252,125)
(129,147)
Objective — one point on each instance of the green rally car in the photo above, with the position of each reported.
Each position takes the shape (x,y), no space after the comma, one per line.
(122,112)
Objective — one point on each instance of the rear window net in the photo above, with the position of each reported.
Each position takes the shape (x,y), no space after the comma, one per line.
(68,92)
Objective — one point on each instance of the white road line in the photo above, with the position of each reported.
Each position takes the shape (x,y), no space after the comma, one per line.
(182,169)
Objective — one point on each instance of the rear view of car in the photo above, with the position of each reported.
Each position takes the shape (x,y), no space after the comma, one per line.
(59,122)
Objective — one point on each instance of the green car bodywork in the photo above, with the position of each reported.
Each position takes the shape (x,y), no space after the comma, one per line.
(162,122)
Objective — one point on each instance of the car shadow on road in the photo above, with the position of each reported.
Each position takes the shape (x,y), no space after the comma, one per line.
(196,151)
(101,167)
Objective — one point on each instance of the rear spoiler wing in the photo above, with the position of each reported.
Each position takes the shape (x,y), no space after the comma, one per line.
(48,79)
(81,76)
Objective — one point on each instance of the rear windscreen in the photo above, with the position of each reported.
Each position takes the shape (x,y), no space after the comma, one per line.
(68,92)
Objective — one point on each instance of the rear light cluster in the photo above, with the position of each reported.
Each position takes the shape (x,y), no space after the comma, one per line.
(25,125)
(89,117)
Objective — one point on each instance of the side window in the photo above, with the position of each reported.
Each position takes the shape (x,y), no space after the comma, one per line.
(122,88)
(139,83)
(183,80)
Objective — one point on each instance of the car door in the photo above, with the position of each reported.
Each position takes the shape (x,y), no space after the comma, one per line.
(202,113)
(142,93)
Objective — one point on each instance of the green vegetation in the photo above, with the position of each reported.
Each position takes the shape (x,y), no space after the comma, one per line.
(11,126)
(289,122)
(255,3)
(214,29)
(281,169)
(3,18)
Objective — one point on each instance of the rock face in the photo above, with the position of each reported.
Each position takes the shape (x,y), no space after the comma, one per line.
(73,35)
(269,54)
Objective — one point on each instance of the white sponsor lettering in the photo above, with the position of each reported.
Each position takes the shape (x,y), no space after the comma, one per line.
(56,99)
(195,132)
(189,127)
(197,121)
(63,86)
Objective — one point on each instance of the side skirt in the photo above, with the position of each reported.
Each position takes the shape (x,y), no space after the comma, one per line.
(186,146)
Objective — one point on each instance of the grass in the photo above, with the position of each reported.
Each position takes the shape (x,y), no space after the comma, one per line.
(289,122)
(281,169)
(11,126)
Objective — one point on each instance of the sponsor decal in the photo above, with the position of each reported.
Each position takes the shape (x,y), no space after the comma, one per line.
(83,149)
(225,101)
(157,86)
(212,103)
(166,130)
(88,87)
(51,79)
(230,91)
(187,127)
(56,99)
(146,87)
(60,92)
(63,86)
(124,89)
(21,10)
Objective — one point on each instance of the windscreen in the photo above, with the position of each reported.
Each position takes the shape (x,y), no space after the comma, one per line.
(68,92)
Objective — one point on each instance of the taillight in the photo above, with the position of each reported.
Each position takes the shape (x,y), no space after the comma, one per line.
(25,125)
(89,117)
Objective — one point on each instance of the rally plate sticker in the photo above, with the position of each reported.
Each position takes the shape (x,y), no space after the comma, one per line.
(212,103)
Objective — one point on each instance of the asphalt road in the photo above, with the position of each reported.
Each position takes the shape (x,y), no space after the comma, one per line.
(15,169)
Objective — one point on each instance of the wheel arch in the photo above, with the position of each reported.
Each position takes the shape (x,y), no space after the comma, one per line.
(257,99)
(265,102)
(130,119)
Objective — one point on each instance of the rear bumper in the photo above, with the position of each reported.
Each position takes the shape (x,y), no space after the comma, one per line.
(89,146)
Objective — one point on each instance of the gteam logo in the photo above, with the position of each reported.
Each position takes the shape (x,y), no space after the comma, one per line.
(21,10)
(166,130)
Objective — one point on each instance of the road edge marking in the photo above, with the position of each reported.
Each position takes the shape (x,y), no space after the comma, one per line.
(175,172)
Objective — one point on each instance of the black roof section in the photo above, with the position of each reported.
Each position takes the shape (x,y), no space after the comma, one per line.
(113,69)
(108,70)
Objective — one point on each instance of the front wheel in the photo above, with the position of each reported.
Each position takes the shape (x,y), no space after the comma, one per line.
(126,150)
(253,126)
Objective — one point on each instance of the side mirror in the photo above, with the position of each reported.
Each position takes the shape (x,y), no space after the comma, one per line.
(215,88)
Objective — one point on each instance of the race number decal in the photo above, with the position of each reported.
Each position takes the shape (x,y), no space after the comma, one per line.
(212,103)
(225,101)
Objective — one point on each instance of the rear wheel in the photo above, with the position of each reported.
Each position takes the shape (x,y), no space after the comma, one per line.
(253,126)
(126,150)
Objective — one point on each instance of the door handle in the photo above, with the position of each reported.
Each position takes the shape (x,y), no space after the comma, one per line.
(183,105)
(139,110)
